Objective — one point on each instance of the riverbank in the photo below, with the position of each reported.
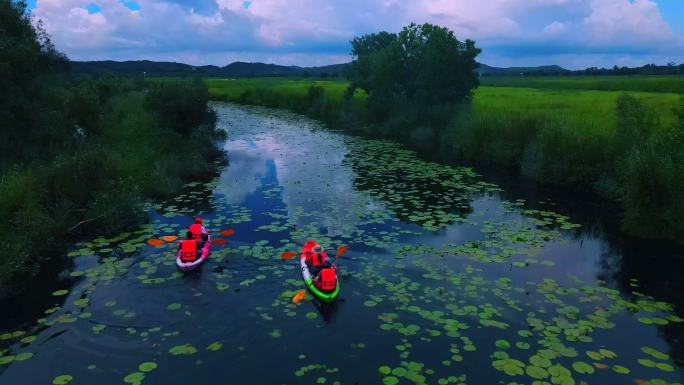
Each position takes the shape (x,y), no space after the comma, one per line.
(627,148)
(123,144)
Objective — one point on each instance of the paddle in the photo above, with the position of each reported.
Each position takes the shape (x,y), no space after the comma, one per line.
(291,254)
(299,296)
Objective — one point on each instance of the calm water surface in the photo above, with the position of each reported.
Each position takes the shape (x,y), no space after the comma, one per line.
(448,280)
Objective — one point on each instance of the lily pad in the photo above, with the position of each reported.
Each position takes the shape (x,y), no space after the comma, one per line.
(62,379)
(147,366)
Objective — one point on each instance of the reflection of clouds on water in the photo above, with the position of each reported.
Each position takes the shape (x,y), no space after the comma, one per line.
(242,177)
(316,187)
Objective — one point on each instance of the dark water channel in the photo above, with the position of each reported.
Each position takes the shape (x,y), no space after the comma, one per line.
(449,279)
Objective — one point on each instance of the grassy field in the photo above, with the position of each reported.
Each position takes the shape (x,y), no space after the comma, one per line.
(591,107)
(232,89)
(641,83)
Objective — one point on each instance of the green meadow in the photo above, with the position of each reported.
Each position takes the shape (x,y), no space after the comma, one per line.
(578,101)
(633,83)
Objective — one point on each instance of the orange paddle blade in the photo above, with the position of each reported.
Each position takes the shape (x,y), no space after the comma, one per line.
(169,238)
(299,296)
(227,232)
(155,242)
(219,241)
(288,255)
(341,250)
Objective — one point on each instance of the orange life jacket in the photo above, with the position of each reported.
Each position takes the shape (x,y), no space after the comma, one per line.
(328,279)
(188,250)
(196,230)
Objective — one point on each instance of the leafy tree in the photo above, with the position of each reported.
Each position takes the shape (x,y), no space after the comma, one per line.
(413,72)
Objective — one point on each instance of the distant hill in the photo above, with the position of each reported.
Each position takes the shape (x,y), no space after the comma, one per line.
(485,70)
(242,69)
(170,69)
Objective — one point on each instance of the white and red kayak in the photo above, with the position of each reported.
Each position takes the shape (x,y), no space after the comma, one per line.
(189,266)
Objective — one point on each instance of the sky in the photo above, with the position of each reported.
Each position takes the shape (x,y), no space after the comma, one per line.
(572,33)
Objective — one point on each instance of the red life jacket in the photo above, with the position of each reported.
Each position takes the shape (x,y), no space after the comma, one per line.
(316,259)
(188,250)
(328,279)
(196,230)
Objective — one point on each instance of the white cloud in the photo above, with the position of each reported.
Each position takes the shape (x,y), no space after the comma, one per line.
(317,32)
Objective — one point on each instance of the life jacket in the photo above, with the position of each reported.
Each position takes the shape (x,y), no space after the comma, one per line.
(188,250)
(196,230)
(316,259)
(328,279)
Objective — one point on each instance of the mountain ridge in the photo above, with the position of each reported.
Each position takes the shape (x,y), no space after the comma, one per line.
(255,69)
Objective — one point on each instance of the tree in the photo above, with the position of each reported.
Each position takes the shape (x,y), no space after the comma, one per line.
(421,67)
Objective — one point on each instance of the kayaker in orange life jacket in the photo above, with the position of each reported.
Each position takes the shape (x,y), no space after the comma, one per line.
(190,248)
(198,231)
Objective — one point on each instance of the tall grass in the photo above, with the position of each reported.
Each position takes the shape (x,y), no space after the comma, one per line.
(634,83)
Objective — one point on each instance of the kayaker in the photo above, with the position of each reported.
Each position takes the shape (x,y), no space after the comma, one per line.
(316,259)
(198,230)
(189,248)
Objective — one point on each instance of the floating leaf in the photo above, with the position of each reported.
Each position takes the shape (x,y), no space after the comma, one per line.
(536,372)
(59,293)
(23,356)
(620,369)
(27,340)
(311,315)
(173,306)
(582,367)
(62,379)
(183,350)
(215,346)
(646,362)
(660,365)
(390,380)
(607,353)
(654,353)
(134,378)
(147,366)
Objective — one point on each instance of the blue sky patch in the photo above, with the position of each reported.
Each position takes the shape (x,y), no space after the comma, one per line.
(132,5)
(93,8)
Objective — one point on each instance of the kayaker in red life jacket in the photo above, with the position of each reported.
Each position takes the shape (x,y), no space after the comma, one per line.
(316,259)
(190,248)
(198,231)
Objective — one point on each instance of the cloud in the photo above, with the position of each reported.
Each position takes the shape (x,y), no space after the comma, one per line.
(316,32)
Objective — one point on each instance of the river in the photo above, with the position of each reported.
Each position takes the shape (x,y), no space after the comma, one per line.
(449,279)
